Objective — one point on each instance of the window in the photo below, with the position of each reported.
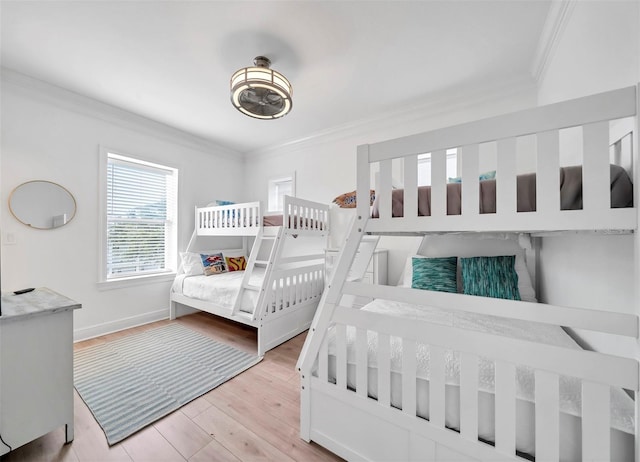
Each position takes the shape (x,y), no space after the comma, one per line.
(139,230)
(424,166)
(278,188)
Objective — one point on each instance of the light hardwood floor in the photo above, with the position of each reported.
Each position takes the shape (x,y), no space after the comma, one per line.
(252,417)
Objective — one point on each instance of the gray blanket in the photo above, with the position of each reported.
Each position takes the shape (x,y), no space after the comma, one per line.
(570,193)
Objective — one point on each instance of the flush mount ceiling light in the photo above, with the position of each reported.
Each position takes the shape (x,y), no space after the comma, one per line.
(261,92)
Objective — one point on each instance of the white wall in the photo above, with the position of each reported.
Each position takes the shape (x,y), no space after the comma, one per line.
(326,165)
(51,134)
(598,50)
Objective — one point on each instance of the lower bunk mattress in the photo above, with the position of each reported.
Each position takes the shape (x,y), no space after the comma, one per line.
(222,289)
(622,405)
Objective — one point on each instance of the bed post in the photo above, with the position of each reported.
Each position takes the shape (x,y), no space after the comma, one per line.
(333,291)
(636,237)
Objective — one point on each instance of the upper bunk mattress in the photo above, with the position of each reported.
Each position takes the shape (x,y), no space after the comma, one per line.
(570,193)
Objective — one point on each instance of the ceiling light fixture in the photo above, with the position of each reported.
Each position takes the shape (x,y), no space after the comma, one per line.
(261,92)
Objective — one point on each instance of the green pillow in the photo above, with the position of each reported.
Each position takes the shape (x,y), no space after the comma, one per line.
(494,277)
(491,175)
(434,274)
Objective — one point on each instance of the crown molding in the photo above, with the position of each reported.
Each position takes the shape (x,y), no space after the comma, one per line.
(439,104)
(85,105)
(557,18)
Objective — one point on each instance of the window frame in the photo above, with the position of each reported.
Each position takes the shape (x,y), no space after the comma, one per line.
(273,182)
(171,241)
(425,158)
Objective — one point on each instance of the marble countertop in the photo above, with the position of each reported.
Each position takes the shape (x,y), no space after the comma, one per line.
(40,301)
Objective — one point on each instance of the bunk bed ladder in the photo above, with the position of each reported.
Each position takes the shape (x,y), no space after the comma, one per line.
(262,243)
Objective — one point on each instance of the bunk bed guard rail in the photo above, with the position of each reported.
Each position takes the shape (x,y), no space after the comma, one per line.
(592,113)
(303,216)
(242,219)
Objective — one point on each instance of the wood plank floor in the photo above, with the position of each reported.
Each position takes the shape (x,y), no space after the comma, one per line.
(253,417)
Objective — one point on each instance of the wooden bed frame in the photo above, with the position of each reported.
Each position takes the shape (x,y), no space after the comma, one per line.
(293,258)
(347,421)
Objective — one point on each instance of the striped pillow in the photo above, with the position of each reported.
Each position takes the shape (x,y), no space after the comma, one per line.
(236,263)
(490,277)
(435,274)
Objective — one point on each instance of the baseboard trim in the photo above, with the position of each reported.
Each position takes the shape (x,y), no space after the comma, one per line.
(110,327)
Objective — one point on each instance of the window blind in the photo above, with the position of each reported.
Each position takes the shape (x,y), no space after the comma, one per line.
(140,207)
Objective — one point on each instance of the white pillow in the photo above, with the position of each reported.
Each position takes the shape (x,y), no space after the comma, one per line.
(191,263)
(477,245)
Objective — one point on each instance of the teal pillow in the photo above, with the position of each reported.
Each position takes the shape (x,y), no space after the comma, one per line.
(485,176)
(494,277)
(434,274)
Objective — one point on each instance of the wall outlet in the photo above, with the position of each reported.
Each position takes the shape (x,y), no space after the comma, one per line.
(9,238)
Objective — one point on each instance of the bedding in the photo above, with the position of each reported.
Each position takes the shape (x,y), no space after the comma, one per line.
(570,193)
(222,289)
(622,406)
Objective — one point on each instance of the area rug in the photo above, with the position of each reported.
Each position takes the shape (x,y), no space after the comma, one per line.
(132,382)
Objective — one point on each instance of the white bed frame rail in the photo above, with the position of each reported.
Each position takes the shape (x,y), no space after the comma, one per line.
(243,219)
(598,372)
(293,287)
(592,113)
(305,217)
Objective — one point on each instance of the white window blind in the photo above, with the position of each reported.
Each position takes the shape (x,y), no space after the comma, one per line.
(140,210)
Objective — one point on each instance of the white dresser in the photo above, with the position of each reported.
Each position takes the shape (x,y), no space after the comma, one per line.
(36,366)
(376,272)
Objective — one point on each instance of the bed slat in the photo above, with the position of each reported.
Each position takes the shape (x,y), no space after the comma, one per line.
(411,184)
(341,356)
(436,386)
(469,395)
(505,402)
(384,370)
(409,376)
(548,173)
(361,362)
(323,361)
(506,193)
(595,171)
(470,182)
(385,189)
(438,183)
(547,397)
(596,438)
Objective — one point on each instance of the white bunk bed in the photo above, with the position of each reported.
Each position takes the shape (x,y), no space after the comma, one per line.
(429,375)
(280,288)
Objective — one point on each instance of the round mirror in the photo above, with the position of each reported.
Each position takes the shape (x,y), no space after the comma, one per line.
(42,204)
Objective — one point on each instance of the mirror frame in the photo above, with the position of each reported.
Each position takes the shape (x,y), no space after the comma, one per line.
(75,204)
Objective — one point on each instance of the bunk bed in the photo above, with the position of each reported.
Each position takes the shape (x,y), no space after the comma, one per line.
(277,287)
(430,373)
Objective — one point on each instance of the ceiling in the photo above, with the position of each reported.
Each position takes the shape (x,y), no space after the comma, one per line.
(348,61)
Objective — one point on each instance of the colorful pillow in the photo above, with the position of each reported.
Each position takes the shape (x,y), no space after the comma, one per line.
(494,277)
(191,263)
(348,200)
(236,263)
(484,176)
(435,274)
(218,202)
(213,263)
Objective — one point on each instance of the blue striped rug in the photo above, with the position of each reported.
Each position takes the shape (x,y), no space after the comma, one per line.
(132,382)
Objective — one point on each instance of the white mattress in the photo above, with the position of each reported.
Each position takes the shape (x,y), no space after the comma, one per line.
(221,289)
(622,406)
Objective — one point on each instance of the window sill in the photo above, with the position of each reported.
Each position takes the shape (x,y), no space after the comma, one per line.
(135,281)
